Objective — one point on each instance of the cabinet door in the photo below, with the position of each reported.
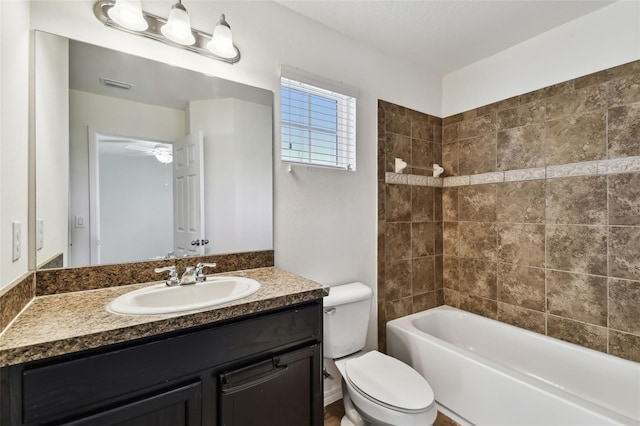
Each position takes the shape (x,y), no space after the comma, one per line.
(176,407)
(280,391)
(50,391)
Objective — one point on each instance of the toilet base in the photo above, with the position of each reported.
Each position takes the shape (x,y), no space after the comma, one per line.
(351,416)
(346,422)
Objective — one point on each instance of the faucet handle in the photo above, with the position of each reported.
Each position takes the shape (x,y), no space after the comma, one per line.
(200,277)
(173,275)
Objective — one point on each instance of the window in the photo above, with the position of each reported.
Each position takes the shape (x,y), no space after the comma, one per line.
(318,125)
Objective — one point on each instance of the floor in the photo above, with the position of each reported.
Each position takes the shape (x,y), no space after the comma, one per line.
(334,412)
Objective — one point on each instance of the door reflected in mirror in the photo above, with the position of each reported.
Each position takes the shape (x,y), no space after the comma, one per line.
(139,160)
(130,182)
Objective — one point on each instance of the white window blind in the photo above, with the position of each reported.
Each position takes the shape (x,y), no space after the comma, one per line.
(318,125)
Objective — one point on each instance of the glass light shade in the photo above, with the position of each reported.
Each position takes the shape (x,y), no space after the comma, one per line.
(163,155)
(221,42)
(128,13)
(178,27)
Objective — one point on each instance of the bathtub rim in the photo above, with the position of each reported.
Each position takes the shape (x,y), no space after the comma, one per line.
(405,325)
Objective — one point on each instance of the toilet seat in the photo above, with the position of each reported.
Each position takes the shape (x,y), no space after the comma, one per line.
(389,382)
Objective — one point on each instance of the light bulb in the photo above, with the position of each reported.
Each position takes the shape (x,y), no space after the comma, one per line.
(178,26)
(163,155)
(221,42)
(128,13)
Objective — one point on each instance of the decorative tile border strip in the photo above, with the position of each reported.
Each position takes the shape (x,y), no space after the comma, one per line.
(396,178)
(456,181)
(587,168)
(480,179)
(619,165)
(415,180)
(418,180)
(434,181)
(525,174)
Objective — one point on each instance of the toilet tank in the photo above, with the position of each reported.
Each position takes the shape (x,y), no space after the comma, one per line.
(346,319)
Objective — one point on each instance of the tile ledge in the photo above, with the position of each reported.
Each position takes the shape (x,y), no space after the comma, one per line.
(585,168)
(414,180)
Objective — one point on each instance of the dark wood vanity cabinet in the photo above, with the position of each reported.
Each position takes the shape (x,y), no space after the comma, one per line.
(257,370)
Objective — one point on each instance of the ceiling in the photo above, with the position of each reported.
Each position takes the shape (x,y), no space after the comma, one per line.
(151,82)
(443,35)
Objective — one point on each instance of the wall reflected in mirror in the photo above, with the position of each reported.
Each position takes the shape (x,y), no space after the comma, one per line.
(138,160)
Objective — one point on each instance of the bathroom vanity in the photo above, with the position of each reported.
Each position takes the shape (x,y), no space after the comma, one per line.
(260,367)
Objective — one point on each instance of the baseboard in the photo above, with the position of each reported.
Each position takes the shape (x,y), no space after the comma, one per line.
(332,395)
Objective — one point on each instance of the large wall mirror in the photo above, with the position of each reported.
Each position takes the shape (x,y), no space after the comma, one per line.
(138,160)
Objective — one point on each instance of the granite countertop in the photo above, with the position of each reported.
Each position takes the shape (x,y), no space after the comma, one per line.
(69,322)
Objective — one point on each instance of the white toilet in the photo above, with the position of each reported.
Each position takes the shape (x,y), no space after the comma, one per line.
(376,388)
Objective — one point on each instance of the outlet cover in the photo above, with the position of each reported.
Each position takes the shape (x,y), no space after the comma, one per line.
(17,241)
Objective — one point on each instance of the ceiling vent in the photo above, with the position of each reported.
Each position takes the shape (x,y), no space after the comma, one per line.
(115,83)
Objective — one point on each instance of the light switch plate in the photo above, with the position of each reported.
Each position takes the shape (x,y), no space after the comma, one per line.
(39,234)
(80,222)
(17,241)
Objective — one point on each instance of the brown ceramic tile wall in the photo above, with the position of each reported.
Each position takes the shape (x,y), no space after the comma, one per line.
(409,217)
(557,256)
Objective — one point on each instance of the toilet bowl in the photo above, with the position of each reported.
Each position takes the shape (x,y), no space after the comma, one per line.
(384,391)
(377,389)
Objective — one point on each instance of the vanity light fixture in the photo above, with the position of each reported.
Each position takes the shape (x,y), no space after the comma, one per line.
(128,16)
(128,13)
(221,43)
(178,27)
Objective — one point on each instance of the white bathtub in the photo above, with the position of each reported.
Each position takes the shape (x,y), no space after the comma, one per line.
(485,372)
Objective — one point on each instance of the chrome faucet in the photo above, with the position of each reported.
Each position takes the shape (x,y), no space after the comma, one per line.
(189,276)
(200,277)
(173,275)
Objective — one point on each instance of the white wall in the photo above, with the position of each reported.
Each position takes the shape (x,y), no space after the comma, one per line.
(325,220)
(14,133)
(136,208)
(111,116)
(602,39)
(52,139)
(237,173)
(253,130)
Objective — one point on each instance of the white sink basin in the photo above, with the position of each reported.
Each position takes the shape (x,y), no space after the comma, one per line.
(161,299)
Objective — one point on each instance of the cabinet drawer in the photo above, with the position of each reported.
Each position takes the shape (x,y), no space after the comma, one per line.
(275,392)
(87,383)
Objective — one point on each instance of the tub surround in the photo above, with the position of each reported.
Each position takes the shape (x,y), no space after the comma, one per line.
(69,322)
(409,214)
(553,245)
(540,211)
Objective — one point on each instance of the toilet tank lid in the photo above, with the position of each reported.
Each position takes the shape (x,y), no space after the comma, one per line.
(347,293)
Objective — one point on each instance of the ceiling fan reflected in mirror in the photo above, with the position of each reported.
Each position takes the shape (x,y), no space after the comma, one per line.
(130,147)
(162,151)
